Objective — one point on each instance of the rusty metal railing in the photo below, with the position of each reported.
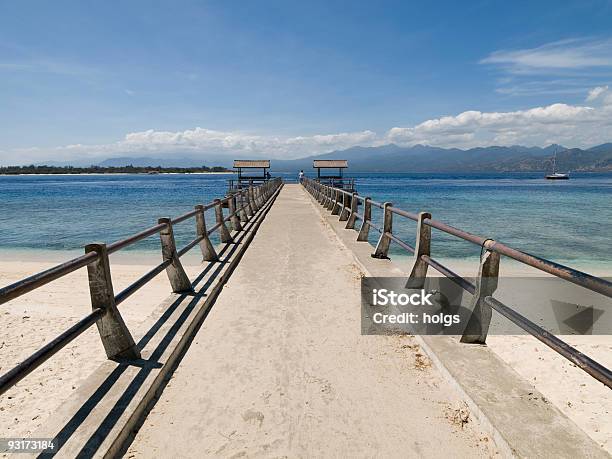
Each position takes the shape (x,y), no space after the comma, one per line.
(346,204)
(116,338)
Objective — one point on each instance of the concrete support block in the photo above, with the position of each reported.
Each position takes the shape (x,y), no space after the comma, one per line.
(208,251)
(344,213)
(350,223)
(176,274)
(382,248)
(224,233)
(422,247)
(488,276)
(116,338)
(235,219)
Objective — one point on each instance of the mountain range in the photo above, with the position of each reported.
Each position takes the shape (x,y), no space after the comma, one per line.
(417,158)
(422,158)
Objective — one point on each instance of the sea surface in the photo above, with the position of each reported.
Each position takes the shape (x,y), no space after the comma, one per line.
(566,221)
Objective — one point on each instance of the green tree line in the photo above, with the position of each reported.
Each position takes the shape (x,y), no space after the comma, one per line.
(32,169)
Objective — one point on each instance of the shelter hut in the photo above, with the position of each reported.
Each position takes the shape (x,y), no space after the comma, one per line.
(250,170)
(337,179)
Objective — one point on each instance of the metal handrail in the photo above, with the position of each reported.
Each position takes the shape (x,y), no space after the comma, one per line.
(327,196)
(256,198)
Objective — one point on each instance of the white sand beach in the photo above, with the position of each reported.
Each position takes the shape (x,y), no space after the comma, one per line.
(34,319)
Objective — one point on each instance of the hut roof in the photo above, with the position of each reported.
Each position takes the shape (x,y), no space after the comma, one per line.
(251,163)
(330,163)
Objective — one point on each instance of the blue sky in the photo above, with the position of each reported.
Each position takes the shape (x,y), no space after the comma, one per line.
(286,78)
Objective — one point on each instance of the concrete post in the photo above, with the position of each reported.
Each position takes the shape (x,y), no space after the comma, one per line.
(243,207)
(247,197)
(350,224)
(208,251)
(224,233)
(320,193)
(344,213)
(235,219)
(176,274)
(336,205)
(488,276)
(116,338)
(252,202)
(382,248)
(422,247)
(330,198)
(364,231)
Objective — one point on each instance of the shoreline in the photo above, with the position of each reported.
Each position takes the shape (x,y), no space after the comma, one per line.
(467,266)
(120,173)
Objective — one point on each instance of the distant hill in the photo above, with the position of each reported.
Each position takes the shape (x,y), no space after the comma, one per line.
(393,158)
(422,158)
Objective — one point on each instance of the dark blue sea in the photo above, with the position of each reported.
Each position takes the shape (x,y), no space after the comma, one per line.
(566,221)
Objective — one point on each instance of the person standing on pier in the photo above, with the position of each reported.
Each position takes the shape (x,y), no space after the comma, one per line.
(301,176)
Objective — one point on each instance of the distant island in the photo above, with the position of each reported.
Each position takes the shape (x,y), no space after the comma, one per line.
(130,169)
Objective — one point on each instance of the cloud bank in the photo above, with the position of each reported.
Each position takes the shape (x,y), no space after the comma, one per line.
(571,125)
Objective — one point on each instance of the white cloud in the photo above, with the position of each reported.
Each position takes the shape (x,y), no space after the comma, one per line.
(561,123)
(571,125)
(565,54)
(600,94)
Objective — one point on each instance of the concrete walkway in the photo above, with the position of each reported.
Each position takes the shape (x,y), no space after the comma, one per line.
(279,367)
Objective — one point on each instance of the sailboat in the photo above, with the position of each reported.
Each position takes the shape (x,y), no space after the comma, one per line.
(556,175)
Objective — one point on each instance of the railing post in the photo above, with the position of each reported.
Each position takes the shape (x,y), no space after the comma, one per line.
(235,219)
(336,203)
(208,251)
(258,198)
(330,198)
(252,202)
(243,207)
(488,276)
(344,213)
(350,224)
(422,247)
(176,274)
(364,231)
(382,248)
(116,338)
(224,233)
(249,208)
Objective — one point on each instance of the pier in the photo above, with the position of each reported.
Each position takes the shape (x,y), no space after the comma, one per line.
(261,354)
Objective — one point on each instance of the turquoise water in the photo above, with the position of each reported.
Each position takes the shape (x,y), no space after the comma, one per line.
(564,221)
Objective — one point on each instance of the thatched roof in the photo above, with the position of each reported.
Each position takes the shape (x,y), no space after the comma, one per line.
(251,163)
(330,163)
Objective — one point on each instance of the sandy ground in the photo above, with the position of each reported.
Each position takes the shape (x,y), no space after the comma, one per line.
(32,320)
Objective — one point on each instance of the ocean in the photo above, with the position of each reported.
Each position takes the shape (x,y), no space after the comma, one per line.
(565,221)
